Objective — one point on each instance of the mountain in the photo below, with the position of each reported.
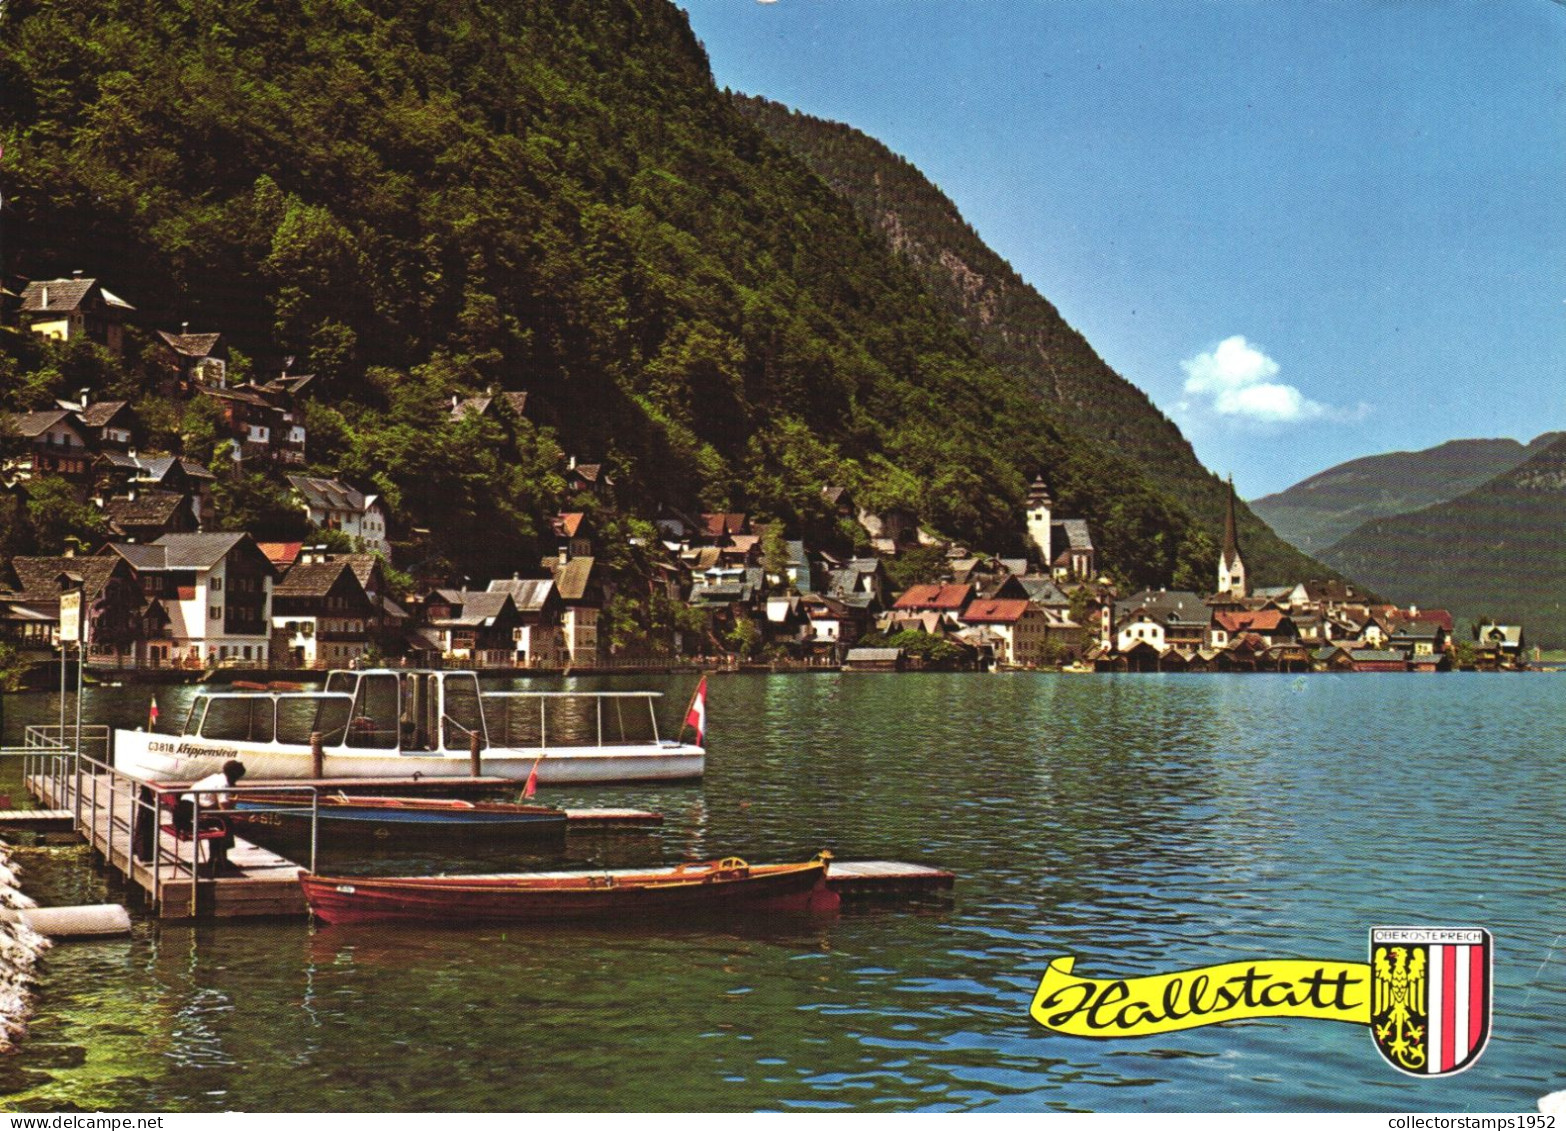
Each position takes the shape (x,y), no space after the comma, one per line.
(1014,327)
(1317,512)
(1497,551)
(425,198)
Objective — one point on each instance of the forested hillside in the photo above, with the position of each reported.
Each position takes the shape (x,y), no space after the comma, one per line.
(1317,512)
(1014,327)
(417,198)
(1497,552)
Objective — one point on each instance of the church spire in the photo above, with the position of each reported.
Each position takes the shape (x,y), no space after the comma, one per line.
(1231,567)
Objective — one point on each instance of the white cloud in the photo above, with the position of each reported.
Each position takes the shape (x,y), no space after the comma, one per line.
(1236,378)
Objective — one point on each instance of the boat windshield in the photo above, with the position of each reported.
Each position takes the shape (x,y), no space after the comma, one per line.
(285,718)
(522,720)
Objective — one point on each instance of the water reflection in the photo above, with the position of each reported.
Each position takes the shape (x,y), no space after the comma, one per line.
(1139,823)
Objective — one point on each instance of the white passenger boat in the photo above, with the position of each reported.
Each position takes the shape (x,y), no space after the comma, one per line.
(408,723)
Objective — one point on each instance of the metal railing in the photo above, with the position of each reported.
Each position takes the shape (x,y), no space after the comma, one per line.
(99,791)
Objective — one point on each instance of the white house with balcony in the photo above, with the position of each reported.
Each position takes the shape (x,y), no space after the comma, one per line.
(331,504)
(216,590)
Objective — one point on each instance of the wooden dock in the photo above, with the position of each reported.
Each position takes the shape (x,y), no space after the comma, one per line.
(886,879)
(38,820)
(265,884)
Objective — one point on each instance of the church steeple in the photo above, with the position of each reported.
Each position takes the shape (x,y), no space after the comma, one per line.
(1038,520)
(1231,566)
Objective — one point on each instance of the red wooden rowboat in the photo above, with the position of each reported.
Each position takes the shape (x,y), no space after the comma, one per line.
(545,897)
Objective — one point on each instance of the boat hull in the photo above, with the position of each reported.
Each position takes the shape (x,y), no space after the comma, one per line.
(361,819)
(721,887)
(172,758)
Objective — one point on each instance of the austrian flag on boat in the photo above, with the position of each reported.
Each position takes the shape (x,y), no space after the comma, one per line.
(696,717)
(1430,1008)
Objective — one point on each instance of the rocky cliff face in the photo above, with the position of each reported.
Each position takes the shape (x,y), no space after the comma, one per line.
(1014,326)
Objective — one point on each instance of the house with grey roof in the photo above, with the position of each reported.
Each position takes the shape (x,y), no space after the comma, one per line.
(473,626)
(121,474)
(323,614)
(69,310)
(112,604)
(191,361)
(331,504)
(1162,618)
(538,638)
(216,590)
(56,443)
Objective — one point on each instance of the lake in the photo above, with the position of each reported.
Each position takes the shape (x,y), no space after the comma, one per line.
(1142,823)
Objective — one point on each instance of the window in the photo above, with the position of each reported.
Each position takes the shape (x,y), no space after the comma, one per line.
(215,585)
(215,612)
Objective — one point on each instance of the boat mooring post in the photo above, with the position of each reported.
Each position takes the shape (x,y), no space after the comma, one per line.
(317,756)
(475,766)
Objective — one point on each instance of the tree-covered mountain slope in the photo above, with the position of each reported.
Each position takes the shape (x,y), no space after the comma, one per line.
(1016,328)
(1498,551)
(1317,512)
(426,197)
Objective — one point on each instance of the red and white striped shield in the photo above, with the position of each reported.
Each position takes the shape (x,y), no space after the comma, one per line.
(1430,1000)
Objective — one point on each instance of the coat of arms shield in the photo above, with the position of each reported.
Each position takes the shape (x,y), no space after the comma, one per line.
(1430,997)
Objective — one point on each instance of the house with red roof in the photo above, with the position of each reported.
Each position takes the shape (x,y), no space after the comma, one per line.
(1271,625)
(1019,627)
(948,599)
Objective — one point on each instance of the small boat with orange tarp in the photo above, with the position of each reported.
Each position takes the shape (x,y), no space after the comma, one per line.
(716,886)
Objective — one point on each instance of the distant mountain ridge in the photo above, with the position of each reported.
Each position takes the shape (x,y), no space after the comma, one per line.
(1319,511)
(1497,551)
(1016,328)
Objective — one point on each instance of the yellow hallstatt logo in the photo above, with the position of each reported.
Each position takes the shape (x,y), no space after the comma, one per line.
(1165,1003)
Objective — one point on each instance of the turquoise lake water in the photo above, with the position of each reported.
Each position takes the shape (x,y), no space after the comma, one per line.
(1143,824)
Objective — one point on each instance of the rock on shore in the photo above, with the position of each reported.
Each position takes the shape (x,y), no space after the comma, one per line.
(20,947)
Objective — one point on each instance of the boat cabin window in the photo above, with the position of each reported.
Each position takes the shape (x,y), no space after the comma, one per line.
(420,712)
(300,716)
(238,718)
(525,721)
(462,714)
(376,709)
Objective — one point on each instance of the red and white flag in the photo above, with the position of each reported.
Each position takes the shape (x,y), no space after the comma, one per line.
(696,716)
(152,714)
(531,787)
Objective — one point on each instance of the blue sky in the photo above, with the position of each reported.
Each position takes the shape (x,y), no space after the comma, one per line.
(1309,231)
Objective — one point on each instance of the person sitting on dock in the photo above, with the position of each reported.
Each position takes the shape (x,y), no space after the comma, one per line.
(185,811)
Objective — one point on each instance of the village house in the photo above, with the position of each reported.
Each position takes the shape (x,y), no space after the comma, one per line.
(473,626)
(1160,619)
(947,600)
(331,504)
(112,605)
(146,515)
(56,444)
(120,474)
(1020,627)
(106,425)
(580,587)
(1499,645)
(322,616)
(216,590)
(190,361)
(538,639)
(1269,624)
(587,478)
(69,310)
(492,404)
